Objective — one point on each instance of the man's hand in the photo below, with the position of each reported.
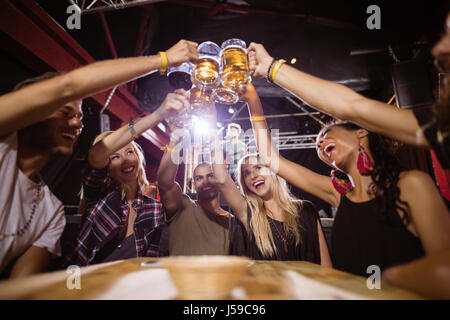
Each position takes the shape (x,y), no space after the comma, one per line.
(183,51)
(259,59)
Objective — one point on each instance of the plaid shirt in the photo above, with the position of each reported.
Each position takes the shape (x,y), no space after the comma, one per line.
(107,214)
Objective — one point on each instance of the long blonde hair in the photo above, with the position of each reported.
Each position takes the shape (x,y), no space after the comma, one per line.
(259,224)
(143,183)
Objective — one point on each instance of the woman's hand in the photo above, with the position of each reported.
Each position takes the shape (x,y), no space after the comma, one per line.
(183,51)
(174,104)
(247,93)
(259,59)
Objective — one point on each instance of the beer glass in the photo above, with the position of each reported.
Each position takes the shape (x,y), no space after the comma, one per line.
(200,101)
(224,95)
(180,77)
(206,71)
(234,64)
(182,121)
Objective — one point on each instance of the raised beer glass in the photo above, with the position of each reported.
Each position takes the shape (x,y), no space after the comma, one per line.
(234,63)
(224,95)
(206,71)
(200,101)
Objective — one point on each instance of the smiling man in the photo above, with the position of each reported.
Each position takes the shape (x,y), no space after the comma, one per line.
(32,218)
(198,227)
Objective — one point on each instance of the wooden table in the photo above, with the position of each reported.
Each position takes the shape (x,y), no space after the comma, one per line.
(264,280)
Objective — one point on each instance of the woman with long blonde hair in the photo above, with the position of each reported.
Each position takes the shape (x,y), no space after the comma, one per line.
(274,224)
(120,220)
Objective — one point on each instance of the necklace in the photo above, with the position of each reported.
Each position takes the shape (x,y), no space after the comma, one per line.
(283,238)
(22,230)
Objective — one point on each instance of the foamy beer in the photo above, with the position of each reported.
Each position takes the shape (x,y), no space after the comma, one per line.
(200,101)
(206,71)
(225,95)
(234,62)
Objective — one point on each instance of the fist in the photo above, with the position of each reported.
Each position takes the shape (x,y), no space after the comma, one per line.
(183,51)
(174,104)
(259,59)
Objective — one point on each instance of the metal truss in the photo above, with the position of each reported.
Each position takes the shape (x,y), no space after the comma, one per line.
(92,6)
(287,142)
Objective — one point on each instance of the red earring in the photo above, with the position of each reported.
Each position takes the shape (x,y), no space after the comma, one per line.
(364,163)
(342,186)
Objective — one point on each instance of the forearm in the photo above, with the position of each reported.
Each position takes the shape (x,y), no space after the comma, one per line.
(34,260)
(36,102)
(344,103)
(264,142)
(429,276)
(168,168)
(100,152)
(218,164)
(327,96)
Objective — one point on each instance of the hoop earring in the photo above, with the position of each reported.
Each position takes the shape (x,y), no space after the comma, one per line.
(340,185)
(364,163)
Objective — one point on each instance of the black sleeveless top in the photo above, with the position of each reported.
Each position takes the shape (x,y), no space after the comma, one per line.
(243,243)
(360,238)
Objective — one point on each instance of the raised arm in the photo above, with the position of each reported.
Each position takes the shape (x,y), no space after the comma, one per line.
(301,177)
(169,190)
(339,101)
(226,185)
(34,103)
(100,152)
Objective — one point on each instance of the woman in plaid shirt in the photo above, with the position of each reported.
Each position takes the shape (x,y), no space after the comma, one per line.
(121,221)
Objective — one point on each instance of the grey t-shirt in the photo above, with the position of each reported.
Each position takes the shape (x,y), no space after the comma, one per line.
(194,231)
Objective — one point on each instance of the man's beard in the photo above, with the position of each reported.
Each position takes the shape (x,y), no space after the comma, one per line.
(207,195)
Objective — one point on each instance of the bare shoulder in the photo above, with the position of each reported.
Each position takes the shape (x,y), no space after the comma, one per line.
(414,179)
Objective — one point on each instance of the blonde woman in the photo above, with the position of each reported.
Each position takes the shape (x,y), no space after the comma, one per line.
(121,221)
(274,225)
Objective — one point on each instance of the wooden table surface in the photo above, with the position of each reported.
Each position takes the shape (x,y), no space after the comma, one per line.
(264,280)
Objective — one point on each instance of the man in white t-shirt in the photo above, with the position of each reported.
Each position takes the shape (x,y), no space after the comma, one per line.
(41,118)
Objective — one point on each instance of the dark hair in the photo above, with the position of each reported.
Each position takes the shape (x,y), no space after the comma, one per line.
(42,77)
(385,175)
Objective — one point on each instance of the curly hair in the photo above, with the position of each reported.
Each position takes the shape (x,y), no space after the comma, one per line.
(385,174)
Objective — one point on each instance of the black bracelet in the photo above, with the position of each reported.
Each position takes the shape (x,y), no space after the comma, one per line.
(270,70)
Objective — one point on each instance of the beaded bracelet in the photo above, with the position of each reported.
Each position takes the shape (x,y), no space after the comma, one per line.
(132,131)
(270,70)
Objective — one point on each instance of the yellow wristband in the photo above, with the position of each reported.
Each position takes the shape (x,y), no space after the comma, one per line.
(167,148)
(275,68)
(163,62)
(258,118)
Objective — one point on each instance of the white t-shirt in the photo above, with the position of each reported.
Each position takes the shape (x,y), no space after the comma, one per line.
(18,194)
